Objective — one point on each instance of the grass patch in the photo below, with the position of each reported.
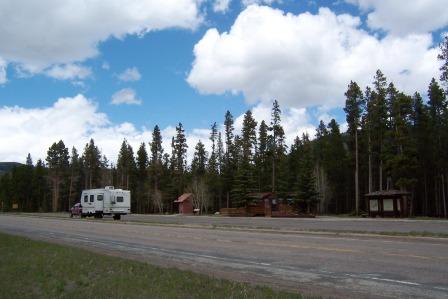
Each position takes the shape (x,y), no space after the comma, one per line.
(34,269)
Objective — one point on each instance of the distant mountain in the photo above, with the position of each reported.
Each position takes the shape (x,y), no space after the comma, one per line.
(6,167)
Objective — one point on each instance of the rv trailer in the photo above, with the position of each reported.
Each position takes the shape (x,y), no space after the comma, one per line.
(107,201)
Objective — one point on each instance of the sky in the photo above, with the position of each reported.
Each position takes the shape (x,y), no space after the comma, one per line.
(113,69)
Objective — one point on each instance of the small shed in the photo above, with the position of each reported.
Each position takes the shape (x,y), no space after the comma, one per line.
(387,203)
(185,203)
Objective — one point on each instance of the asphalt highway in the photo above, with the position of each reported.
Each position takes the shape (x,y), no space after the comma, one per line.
(327,265)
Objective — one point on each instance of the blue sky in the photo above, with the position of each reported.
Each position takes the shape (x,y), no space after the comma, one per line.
(113,70)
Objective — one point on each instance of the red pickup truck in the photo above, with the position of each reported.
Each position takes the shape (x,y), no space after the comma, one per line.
(76,210)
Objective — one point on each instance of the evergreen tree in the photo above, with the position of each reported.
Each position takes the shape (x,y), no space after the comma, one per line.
(142,178)
(229,164)
(75,169)
(29,160)
(443,56)
(277,141)
(91,161)
(41,190)
(199,162)
(261,161)
(126,165)
(422,137)
(353,104)
(58,162)
(307,196)
(438,128)
(156,158)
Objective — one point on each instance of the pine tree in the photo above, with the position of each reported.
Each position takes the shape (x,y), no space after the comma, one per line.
(142,178)
(58,162)
(91,160)
(353,104)
(75,169)
(307,196)
(379,121)
(178,162)
(29,160)
(229,164)
(261,160)
(438,127)
(277,141)
(199,162)
(126,165)
(156,158)
(443,56)
(422,137)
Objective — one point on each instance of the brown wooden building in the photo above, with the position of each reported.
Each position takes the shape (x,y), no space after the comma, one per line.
(387,203)
(184,203)
(265,205)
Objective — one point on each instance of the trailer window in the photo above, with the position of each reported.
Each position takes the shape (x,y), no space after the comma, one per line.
(99,197)
(119,198)
(92,197)
(86,198)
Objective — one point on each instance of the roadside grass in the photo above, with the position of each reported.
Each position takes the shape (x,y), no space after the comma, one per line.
(35,269)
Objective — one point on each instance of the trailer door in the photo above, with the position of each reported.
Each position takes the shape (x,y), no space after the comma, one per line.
(99,202)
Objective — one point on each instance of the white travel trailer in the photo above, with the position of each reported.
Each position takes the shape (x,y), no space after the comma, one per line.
(107,201)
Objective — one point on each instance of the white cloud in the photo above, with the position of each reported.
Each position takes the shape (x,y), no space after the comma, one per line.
(130,74)
(3,66)
(305,60)
(39,34)
(105,65)
(76,120)
(295,121)
(69,72)
(125,96)
(250,2)
(403,16)
(221,5)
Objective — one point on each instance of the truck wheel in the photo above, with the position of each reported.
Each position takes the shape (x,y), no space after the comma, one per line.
(117,217)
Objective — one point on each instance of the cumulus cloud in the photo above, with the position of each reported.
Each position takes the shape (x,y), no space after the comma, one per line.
(125,96)
(105,65)
(69,72)
(73,119)
(3,66)
(249,2)
(403,17)
(295,121)
(130,74)
(221,5)
(76,120)
(305,60)
(39,34)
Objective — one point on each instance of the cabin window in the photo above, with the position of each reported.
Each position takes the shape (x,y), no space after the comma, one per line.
(92,198)
(86,198)
(119,198)
(99,197)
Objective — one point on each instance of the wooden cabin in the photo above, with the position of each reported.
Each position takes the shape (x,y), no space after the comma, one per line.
(387,203)
(265,204)
(185,203)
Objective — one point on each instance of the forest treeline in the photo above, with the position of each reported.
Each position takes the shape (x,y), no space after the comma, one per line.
(394,141)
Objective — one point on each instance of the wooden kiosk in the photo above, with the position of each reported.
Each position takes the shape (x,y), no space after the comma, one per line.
(387,203)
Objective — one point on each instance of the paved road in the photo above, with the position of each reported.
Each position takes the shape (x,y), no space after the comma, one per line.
(354,267)
(320,223)
(332,224)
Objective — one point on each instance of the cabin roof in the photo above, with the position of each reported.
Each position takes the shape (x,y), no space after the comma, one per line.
(184,197)
(387,193)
